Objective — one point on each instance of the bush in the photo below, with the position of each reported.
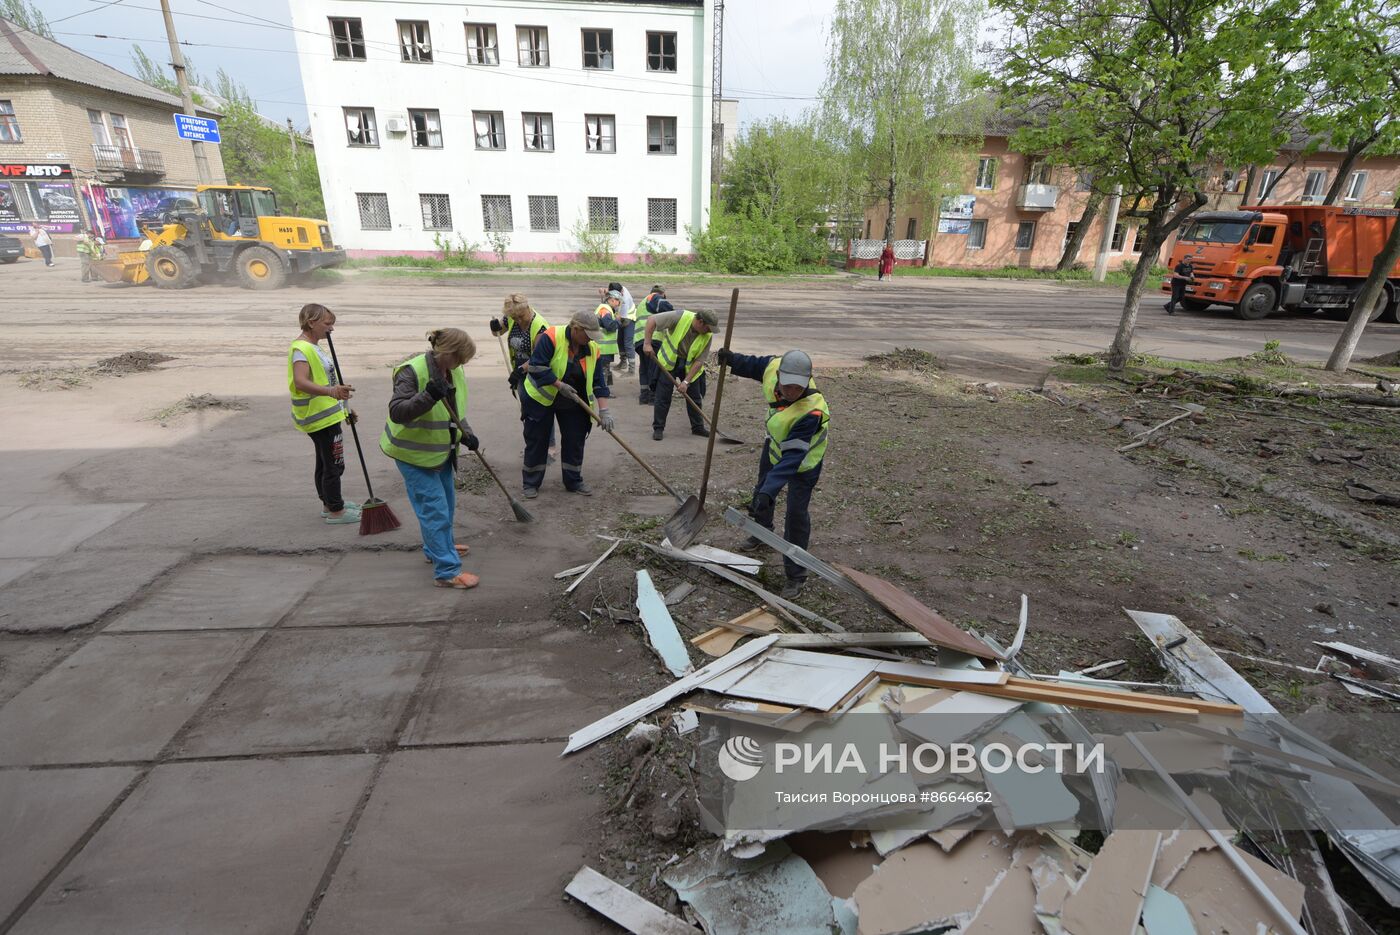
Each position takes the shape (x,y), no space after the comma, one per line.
(737,243)
(593,246)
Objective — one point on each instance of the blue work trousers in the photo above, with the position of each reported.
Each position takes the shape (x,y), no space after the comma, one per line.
(433,496)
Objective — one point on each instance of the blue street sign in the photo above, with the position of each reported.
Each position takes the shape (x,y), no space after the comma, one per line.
(202,129)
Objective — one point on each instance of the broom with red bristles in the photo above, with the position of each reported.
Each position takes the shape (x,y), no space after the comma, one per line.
(375,515)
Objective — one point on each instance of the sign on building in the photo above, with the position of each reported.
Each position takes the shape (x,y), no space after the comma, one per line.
(200,129)
(36,193)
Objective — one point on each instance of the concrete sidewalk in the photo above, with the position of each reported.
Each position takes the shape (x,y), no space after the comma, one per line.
(218,714)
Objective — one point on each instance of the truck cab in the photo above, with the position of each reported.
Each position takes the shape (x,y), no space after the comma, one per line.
(1231,252)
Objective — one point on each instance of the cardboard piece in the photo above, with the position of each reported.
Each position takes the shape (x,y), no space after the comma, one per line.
(1109,898)
(1052,885)
(720,640)
(1009,908)
(1220,900)
(920,887)
(623,906)
(661,630)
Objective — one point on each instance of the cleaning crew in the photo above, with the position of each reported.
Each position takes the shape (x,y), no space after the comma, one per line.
(320,403)
(627,323)
(521,325)
(610,323)
(685,341)
(646,366)
(797,424)
(427,421)
(564,369)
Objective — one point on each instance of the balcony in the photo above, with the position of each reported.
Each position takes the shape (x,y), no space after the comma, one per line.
(115,161)
(1030,197)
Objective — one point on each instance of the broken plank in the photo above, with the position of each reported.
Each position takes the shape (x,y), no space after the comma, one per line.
(850,640)
(1077,688)
(904,607)
(1195,665)
(661,630)
(570,572)
(1369,687)
(644,706)
(677,594)
(623,906)
(590,569)
(940,676)
(1375,659)
(723,638)
(794,677)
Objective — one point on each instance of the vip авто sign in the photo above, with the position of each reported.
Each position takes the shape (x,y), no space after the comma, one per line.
(201,129)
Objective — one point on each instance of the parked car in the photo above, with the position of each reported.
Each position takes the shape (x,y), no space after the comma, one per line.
(10,249)
(166,205)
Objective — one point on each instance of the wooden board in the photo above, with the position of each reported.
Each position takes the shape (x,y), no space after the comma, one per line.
(906,608)
(623,906)
(1199,705)
(720,640)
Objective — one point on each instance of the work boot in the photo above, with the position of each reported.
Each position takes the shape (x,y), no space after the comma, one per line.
(531,493)
(703,433)
(645,398)
(792,589)
(582,489)
(656,435)
(631,365)
(751,543)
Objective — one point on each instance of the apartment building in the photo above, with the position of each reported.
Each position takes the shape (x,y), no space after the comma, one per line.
(83,144)
(1019,210)
(509,123)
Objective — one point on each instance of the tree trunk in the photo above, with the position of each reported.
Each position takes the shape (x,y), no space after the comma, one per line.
(1354,150)
(1250,178)
(889,219)
(1122,350)
(1372,291)
(1081,231)
(1263,196)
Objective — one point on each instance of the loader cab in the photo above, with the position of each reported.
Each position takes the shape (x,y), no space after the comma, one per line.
(234,210)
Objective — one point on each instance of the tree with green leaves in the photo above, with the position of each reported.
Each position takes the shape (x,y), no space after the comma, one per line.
(899,101)
(1153,95)
(781,168)
(26,15)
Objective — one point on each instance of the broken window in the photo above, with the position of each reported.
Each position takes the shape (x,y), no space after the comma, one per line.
(534,46)
(495,212)
(544,212)
(359,126)
(490,129)
(1025,235)
(437,212)
(348,38)
(599,133)
(374,211)
(661,215)
(539,132)
(661,135)
(427,129)
(481,44)
(602,214)
(661,51)
(598,49)
(415,45)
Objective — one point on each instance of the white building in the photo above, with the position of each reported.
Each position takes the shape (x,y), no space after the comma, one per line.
(508,122)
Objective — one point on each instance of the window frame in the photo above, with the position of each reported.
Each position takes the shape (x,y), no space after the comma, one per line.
(616,214)
(530,203)
(674,139)
(413,113)
(486,214)
(675,216)
(9,123)
(1354,191)
(424,210)
(1020,226)
(587,134)
(1268,181)
(419,56)
(360,208)
(1070,228)
(350,41)
(1120,237)
(373,128)
(661,52)
(498,128)
(1039,168)
(990,162)
(610,54)
(1321,186)
(522,49)
(483,52)
(547,133)
(980,226)
(101,121)
(911,229)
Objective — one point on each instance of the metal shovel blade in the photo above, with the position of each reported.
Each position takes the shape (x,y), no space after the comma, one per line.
(685,524)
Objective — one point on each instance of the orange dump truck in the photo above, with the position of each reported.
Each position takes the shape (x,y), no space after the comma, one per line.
(1302,258)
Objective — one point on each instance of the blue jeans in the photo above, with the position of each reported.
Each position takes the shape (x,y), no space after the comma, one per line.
(626,329)
(434,500)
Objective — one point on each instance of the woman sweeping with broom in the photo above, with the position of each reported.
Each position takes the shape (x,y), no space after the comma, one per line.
(425,425)
(320,403)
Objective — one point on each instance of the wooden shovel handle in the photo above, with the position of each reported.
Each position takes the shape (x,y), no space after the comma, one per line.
(719,395)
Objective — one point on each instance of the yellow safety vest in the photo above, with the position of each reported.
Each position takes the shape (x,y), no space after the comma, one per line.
(671,342)
(312,413)
(608,345)
(427,440)
(782,416)
(559,363)
(644,312)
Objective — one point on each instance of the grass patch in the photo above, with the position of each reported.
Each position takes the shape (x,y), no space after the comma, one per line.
(671,265)
(44,379)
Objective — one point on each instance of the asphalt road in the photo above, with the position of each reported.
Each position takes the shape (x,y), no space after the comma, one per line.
(996,330)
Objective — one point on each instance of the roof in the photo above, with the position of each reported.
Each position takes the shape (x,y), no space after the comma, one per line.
(27,53)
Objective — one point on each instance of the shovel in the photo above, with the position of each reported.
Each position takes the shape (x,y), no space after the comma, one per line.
(686,523)
(522,515)
(727,439)
(627,448)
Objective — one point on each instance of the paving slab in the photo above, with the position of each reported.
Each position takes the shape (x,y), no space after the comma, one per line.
(381,587)
(524,693)
(42,814)
(465,840)
(225,592)
(53,528)
(118,698)
(314,690)
(12,568)
(208,848)
(77,589)
(24,658)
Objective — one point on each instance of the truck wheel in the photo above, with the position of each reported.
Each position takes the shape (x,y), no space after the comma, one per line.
(1258,301)
(1390,305)
(260,268)
(1197,305)
(171,268)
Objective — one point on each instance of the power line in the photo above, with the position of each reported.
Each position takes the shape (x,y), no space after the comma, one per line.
(84,12)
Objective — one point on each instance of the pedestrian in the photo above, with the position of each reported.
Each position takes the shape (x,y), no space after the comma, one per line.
(88,253)
(427,421)
(887,261)
(654,303)
(564,370)
(611,323)
(521,325)
(627,325)
(320,403)
(797,426)
(684,349)
(1182,275)
(43,241)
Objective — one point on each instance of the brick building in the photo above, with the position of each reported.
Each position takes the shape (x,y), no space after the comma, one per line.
(83,144)
(1018,210)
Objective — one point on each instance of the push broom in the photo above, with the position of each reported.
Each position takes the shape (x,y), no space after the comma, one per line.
(375,515)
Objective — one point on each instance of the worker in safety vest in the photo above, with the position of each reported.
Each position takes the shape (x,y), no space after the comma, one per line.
(521,326)
(627,323)
(564,370)
(610,323)
(427,421)
(685,342)
(798,419)
(646,367)
(320,403)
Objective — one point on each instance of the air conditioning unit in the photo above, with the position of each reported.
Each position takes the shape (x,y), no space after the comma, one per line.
(396,125)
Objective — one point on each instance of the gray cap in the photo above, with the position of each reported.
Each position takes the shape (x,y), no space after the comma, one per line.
(795,369)
(588,321)
(708,317)
(659,289)
(614,294)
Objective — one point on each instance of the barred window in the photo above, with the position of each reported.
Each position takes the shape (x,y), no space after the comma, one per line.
(661,215)
(544,212)
(348,38)
(360,129)
(415,43)
(437,212)
(534,46)
(374,211)
(481,44)
(661,51)
(495,212)
(602,214)
(598,49)
(661,135)
(490,129)
(427,129)
(600,133)
(539,132)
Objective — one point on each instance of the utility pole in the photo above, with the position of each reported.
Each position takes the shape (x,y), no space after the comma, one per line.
(177,62)
(716,108)
(1110,221)
(291,131)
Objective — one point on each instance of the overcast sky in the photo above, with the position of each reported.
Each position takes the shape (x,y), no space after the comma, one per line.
(774,52)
